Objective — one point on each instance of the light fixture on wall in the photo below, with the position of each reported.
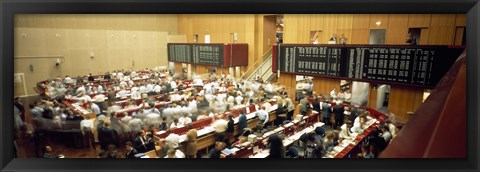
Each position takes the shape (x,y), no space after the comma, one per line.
(378,23)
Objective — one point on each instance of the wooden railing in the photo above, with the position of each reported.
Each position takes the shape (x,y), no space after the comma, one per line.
(257,63)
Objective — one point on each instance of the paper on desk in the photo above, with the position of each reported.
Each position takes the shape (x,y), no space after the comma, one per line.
(234,150)
(160,132)
(338,149)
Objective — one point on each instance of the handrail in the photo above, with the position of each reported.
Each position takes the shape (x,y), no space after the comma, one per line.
(266,72)
(247,72)
(261,69)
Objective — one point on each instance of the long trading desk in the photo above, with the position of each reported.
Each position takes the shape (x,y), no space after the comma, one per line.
(206,132)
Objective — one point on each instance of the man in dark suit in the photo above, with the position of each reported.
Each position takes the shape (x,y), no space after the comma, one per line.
(326,110)
(150,142)
(304,105)
(107,77)
(316,105)
(242,121)
(18,104)
(109,136)
(338,110)
(130,150)
(90,78)
(140,142)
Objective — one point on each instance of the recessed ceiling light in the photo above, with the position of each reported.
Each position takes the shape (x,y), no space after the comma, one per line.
(378,23)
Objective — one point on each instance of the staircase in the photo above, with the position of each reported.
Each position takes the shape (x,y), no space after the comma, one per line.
(262,68)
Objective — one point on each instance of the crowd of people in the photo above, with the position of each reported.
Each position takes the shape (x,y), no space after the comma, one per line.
(113,118)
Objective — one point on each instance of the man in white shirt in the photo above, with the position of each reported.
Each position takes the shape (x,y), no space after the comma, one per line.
(238,99)
(120,75)
(123,84)
(173,84)
(81,90)
(173,141)
(386,134)
(333,93)
(150,87)
(100,89)
(143,89)
(95,108)
(345,132)
(220,125)
(193,105)
(157,89)
(185,119)
(391,127)
(263,115)
(87,126)
(68,80)
(347,96)
(122,94)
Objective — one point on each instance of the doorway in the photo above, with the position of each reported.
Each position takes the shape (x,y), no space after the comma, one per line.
(383,92)
(304,86)
(360,93)
(377,36)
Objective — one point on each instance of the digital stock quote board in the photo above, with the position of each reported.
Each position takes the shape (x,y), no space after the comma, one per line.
(215,54)
(210,54)
(421,66)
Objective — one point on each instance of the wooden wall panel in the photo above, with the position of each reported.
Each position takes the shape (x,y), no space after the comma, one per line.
(460,20)
(219,26)
(425,32)
(403,100)
(443,20)
(361,21)
(178,67)
(382,18)
(459,31)
(419,20)
(397,29)
(441,35)
(325,85)
(372,98)
(360,36)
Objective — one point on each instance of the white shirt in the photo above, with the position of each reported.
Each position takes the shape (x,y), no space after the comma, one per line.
(149,88)
(333,94)
(81,90)
(193,106)
(173,84)
(143,89)
(263,115)
(99,98)
(238,100)
(95,109)
(120,75)
(184,120)
(345,133)
(178,154)
(197,82)
(157,88)
(269,88)
(86,123)
(220,125)
(100,89)
(123,84)
(68,80)
(347,96)
(122,93)
(230,99)
(392,129)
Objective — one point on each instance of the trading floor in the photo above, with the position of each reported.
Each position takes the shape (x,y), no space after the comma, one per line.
(235,86)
